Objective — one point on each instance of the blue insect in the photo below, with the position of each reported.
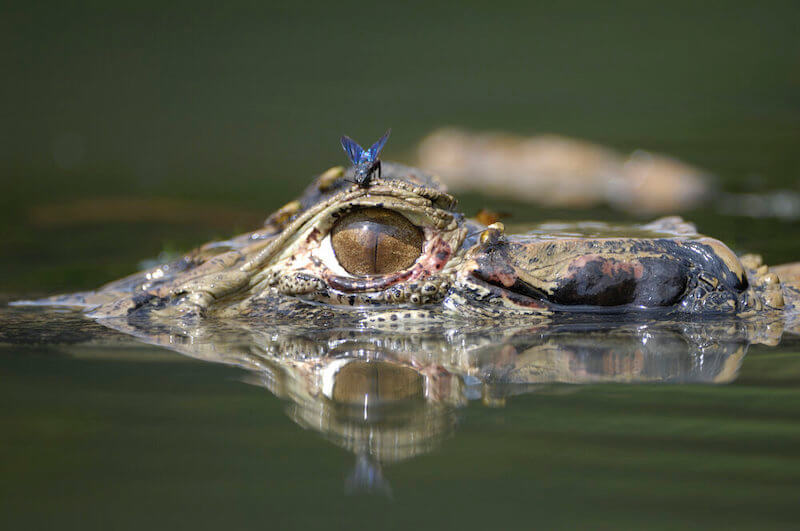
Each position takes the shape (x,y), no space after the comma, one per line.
(366,162)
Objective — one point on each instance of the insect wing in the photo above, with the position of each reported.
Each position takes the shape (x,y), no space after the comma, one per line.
(353,150)
(378,146)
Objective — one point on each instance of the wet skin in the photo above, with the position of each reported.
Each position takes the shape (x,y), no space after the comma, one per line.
(398,250)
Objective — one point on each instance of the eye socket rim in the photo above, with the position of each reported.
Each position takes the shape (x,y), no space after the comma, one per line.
(379,219)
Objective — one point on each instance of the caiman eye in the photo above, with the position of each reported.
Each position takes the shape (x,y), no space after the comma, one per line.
(375,241)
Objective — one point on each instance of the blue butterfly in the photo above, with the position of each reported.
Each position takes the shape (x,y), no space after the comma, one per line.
(366,162)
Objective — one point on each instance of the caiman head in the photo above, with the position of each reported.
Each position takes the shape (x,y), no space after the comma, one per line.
(399,250)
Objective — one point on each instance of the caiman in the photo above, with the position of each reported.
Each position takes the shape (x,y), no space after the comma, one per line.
(375,308)
(398,251)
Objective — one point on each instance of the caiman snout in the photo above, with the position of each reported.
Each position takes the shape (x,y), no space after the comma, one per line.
(601,274)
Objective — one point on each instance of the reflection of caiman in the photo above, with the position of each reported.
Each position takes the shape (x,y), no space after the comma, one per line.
(398,251)
(390,395)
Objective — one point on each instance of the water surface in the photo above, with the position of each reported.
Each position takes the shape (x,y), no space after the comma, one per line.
(600,424)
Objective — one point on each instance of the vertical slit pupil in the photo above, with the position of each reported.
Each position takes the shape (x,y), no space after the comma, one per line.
(376,241)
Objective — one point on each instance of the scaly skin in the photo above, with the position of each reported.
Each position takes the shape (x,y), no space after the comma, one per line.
(285,272)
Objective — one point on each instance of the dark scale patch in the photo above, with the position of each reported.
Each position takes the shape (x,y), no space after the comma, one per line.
(140,299)
(699,257)
(716,266)
(663,282)
(597,284)
(649,282)
(144,302)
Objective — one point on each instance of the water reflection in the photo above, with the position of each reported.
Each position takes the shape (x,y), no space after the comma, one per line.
(389,395)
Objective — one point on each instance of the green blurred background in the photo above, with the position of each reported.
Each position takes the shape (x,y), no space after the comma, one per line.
(223,112)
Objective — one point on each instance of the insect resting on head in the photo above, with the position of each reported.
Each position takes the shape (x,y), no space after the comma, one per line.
(366,162)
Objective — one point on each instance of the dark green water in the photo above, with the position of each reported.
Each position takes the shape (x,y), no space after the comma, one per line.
(106,432)
(209,119)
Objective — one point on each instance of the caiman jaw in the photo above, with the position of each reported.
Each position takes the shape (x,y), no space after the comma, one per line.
(489,281)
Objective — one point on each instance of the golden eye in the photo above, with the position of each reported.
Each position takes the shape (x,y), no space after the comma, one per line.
(375,241)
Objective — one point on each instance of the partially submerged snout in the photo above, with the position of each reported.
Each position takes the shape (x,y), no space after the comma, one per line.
(395,248)
(548,273)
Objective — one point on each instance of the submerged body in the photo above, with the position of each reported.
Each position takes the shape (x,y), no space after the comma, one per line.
(398,250)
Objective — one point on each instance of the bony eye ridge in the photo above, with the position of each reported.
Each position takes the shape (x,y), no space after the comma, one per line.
(375,241)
